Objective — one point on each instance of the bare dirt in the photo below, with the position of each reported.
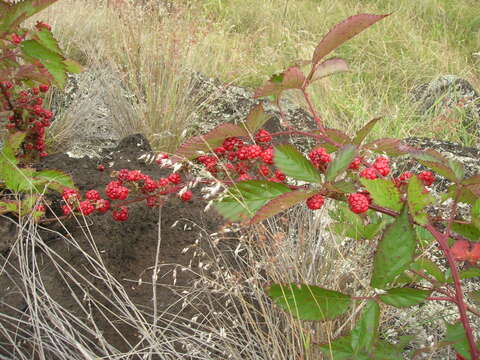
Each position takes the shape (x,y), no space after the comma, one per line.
(128,249)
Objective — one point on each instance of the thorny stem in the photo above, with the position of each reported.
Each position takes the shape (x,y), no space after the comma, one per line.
(316,117)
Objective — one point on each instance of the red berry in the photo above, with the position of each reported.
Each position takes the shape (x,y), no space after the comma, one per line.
(43,87)
(403,178)
(244,177)
(355,164)
(220,151)
(315,202)
(267,156)
(279,175)
(101,167)
(163,182)
(263,136)
(381,165)
(263,170)
(70,195)
(134,175)
(152,201)
(120,214)
(368,173)
(66,209)
(427,177)
(40,207)
(358,203)
(93,195)
(174,178)
(319,156)
(86,207)
(149,185)
(102,205)
(42,25)
(115,190)
(123,175)
(16,39)
(186,196)
(232,143)
(35,91)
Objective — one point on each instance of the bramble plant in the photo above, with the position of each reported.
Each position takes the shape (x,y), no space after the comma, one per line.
(264,178)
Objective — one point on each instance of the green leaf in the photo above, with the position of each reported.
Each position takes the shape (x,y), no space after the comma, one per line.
(365,333)
(363,132)
(395,251)
(404,297)
(384,193)
(473,180)
(386,351)
(469,273)
(292,163)
(467,230)
(256,119)
(242,200)
(8,206)
(456,335)
(308,302)
(20,12)
(342,186)
(358,231)
(343,158)
(45,38)
(281,203)
(458,169)
(342,32)
(431,269)
(196,145)
(52,61)
(73,66)
(475,212)
(417,200)
(339,349)
(53,179)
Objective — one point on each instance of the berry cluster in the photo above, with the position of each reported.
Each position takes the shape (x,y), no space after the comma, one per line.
(245,161)
(25,113)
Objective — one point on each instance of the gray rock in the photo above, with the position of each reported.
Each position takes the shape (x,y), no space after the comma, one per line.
(450,97)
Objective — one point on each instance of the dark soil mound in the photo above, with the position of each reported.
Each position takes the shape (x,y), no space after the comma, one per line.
(127,250)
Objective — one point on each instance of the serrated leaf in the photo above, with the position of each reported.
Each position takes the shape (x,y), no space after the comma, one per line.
(45,38)
(292,163)
(292,78)
(342,32)
(242,200)
(365,333)
(8,206)
(431,269)
(30,72)
(472,180)
(20,12)
(53,179)
(395,251)
(52,61)
(280,203)
(329,67)
(466,194)
(386,351)
(417,200)
(343,158)
(475,296)
(358,231)
(206,143)
(342,186)
(458,169)
(404,297)
(73,66)
(457,337)
(467,230)
(384,193)
(464,274)
(364,131)
(441,169)
(340,349)
(391,147)
(256,119)
(309,302)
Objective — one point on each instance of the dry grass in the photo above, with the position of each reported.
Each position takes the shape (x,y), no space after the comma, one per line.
(245,42)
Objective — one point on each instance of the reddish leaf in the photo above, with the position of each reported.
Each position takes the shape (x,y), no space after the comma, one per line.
(292,78)
(461,251)
(329,67)
(280,203)
(365,130)
(256,119)
(206,143)
(342,32)
(473,180)
(392,147)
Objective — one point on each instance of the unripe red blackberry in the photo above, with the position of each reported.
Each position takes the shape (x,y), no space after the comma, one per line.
(319,156)
(368,173)
(315,202)
(174,178)
(267,156)
(86,207)
(186,196)
(355,164)
(263,136)
(427,177)
(120,214)
(381,165)
(358,203)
